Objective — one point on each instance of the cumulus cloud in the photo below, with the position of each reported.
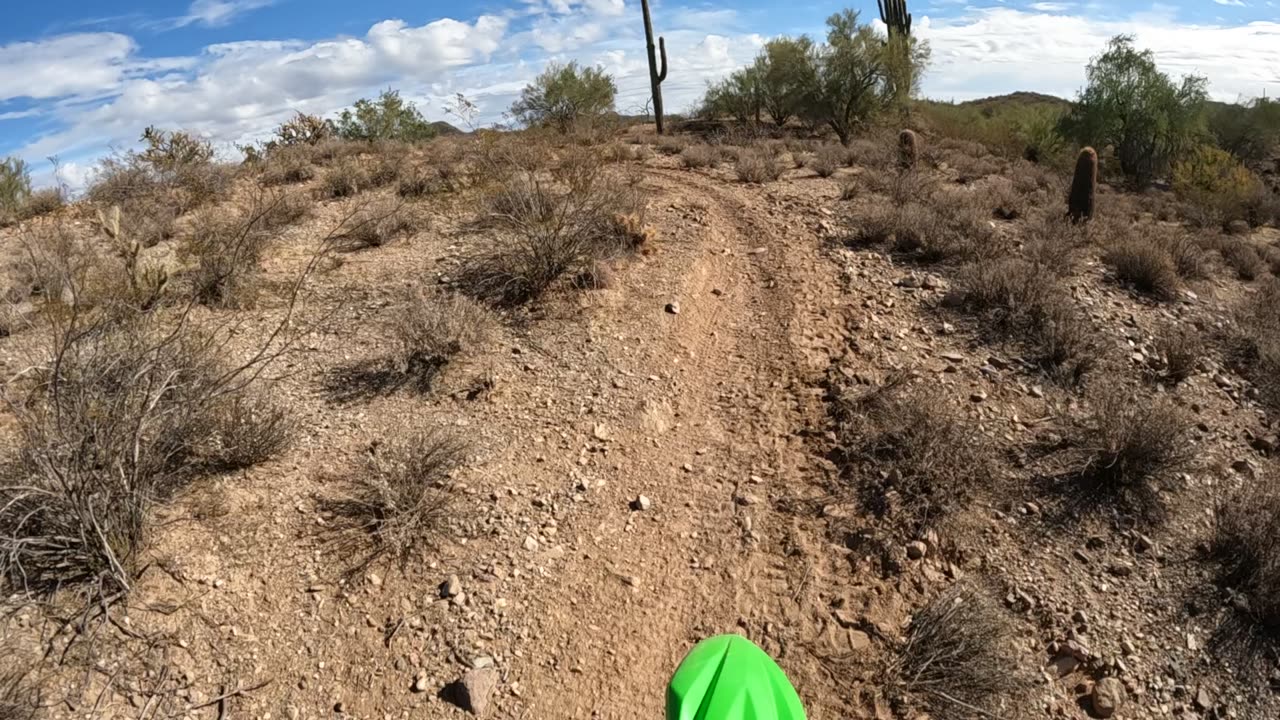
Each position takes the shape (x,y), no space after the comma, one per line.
(213,13)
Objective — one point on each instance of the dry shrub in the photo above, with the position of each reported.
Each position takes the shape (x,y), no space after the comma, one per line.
(1271,255)
(375,225)
(1144,264)
(286,209)
(20,696)
(120,415)
(671,145)
(598,276)
(223,249)
(849,189)
(901,186)
(345,178)
(1252,345)
(550,223)
(1127,444)
(42,202)
(872,154)
(699,156)
(959,661)
(1026,300)
(288,165)
(388,163)
(616,152)
(1242,257)
(1246,544)
(403,496)
(433,328)
(943,230)
(1004,200)
(1189,260)
(913,459)
(1180,350)
(334,150)
(754,166)
(827,160)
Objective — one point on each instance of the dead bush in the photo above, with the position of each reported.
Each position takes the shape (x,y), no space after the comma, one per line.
(432,328)
(121,414)
(223,249)
(1179,350)
(1140,262)
(671,144)
(699,156)
(1004,200)
(403,496)
(877,154)
(286,209)
(388,163)
(42,202)
(902,186)
(1127,444)
(549,224)
(1252,344)
(1189,260)
(827,160)
(1242,257)
(599,276)
(289,165)
(928,233)
(1246,544)
(959,659)
(345,178)
(754,166)
(376,225)
(913,458)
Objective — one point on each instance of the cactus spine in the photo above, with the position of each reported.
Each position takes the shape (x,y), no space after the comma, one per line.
(895,16)
(1084,186)
(908,149)
(656,76)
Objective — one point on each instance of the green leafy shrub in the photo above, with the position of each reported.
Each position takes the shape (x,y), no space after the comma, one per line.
(565,96)
(389,117)
(1217,185)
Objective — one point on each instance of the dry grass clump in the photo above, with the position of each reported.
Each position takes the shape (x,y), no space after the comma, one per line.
(376,225)
(1180,350)
(912,458)
(290,164)
(1126,445)
(1144,264)
(223,248)
(1246,544)
(671,144)
(930,230)
(433,328)
(700,156)
(403,495)
(1242,256)
(1189,259)
(827,160)
(959,660)
(550,224)
(755,166)
(1252,345)
(345,178)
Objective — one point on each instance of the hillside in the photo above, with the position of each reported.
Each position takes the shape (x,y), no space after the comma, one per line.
(514,423)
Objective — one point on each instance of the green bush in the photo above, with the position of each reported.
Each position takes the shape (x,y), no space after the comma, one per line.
(1216,184)
(1131,106)
(1251,132)
(15,186)
(387,118)
(565,96)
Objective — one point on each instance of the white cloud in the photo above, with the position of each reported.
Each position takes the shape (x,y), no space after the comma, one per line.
(999,50)
(1231,3)
(1050,7)
(64,65)
(214,13)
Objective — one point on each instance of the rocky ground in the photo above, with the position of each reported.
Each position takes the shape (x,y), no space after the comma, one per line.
(650,466)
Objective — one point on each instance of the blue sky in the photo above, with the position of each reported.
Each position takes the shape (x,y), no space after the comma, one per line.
(78,79)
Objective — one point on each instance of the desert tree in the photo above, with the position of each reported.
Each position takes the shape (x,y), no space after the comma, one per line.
(564,96)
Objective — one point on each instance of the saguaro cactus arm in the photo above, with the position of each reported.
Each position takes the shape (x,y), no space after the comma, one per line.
(662,51)
(895,16)
(656,76)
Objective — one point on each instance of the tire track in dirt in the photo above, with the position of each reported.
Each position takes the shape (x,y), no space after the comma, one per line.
(706,559)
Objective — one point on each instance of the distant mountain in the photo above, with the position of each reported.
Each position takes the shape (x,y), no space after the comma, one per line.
(1022,97)
(443,128)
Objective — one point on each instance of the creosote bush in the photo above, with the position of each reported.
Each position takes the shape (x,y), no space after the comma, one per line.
(959,655)
(913,459)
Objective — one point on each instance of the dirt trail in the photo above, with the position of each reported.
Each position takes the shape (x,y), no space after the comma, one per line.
(714,450)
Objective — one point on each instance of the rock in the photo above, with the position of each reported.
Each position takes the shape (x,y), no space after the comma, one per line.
(673,308)
(601,432)
(641,503)
(1128,648)
(451,587)
(1108,697)
(1203,699)
(910,281)
(748,499)
(978,396)
(420,683)
(916,550)
(1120,569)
(530,543)
(474,690)
(1238,227)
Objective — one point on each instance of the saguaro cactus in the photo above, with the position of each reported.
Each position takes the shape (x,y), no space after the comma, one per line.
(908,149)
(1084,186)
(895,16)
(656,76)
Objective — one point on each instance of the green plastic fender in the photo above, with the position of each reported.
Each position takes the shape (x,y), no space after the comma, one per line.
(727,677)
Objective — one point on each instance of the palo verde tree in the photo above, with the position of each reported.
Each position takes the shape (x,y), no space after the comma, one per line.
(782,76)
(1129,105)
(850,81)
(389,117)
(564,96)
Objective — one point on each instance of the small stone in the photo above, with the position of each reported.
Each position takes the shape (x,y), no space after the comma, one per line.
(978,396)
(747,499)
(1203,699)
(475,690)
(601,432)
(1120,569)
(420,683)
(916,550)
(1238,227)
(641,503)
(673,308)
(1108,697)
(530,543)
(1128,648)
(1036,392)
(451,587)
(1080,617)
